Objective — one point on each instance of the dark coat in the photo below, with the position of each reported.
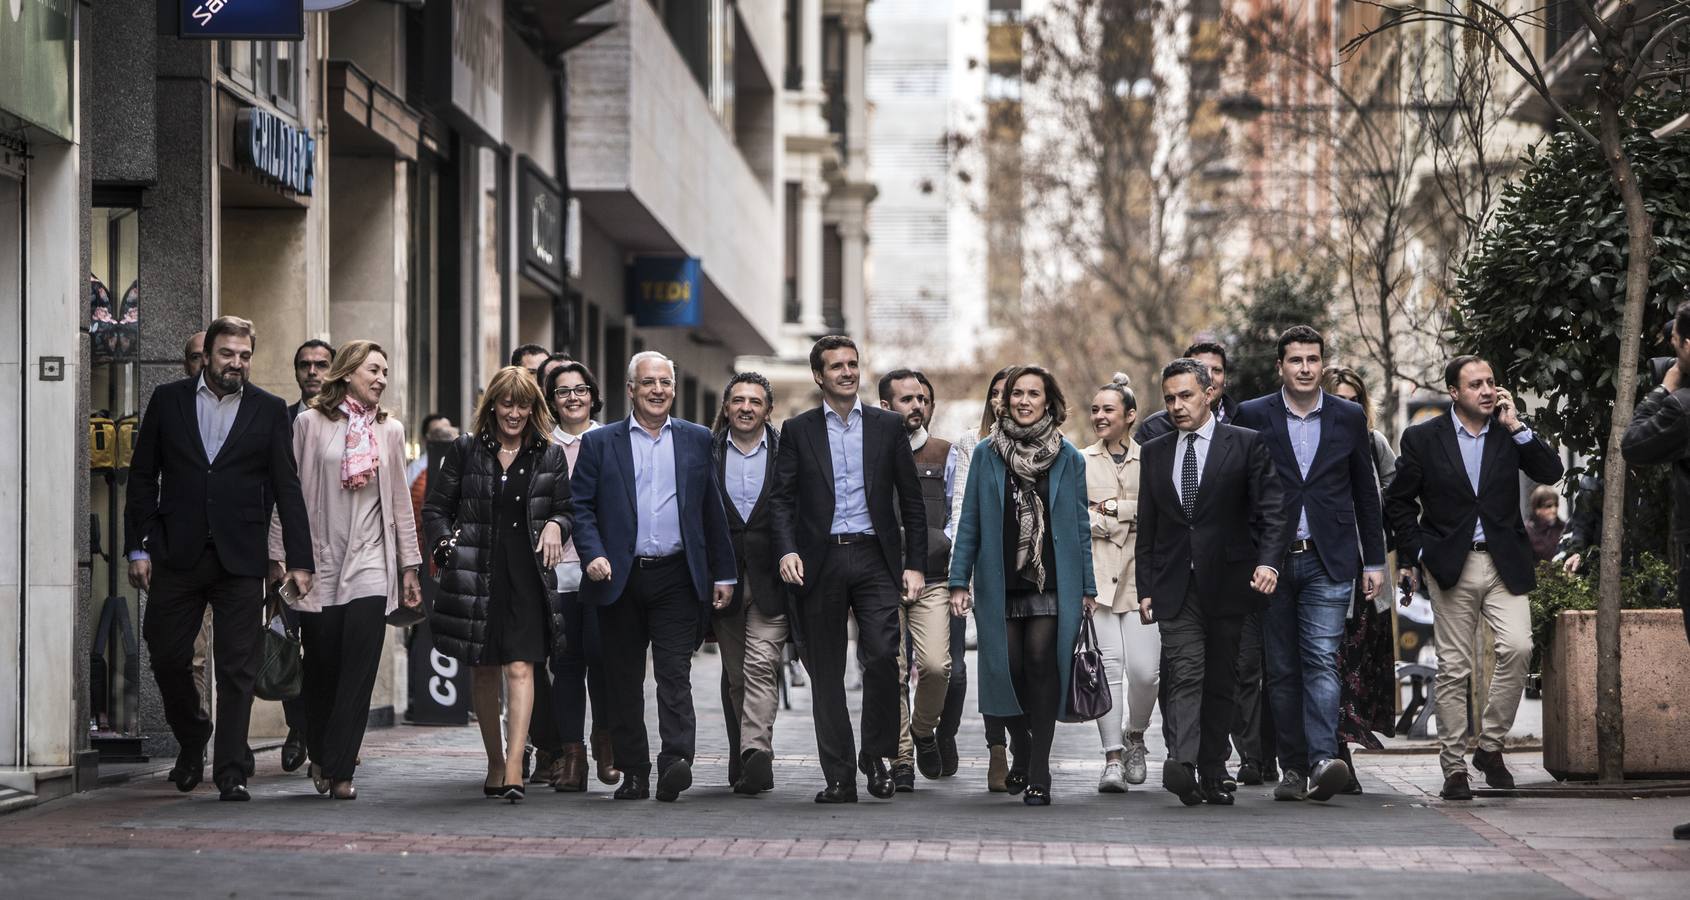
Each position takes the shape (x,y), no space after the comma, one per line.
(1432,505)
(979,556)
(1341,492)
(607,517)
(803,504)
(1238,525)
(461,496)
(1659,434)
(177,497)
(754,549)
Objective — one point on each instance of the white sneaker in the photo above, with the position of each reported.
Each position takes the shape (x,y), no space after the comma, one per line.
(1136,765)
(795,673)
(1114,779)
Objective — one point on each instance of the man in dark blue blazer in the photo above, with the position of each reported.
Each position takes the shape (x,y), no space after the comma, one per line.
(653,537)
(1335,532)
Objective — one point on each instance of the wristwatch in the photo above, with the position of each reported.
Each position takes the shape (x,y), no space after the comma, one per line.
(1109,507)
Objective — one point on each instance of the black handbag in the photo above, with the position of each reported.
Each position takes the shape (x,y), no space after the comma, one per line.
(281,672)
(1088,687)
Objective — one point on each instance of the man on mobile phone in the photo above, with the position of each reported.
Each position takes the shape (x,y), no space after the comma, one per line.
(1454,506)
(1659,434)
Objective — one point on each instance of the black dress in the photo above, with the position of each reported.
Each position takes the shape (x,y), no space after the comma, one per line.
(516,627)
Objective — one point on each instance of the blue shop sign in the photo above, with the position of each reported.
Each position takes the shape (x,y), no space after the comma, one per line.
(281,153)
(664,291)
(249,20)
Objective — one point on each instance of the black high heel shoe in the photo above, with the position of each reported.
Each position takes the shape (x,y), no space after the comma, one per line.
(1037,795)
(492,791)
(1015,782)
(515,793)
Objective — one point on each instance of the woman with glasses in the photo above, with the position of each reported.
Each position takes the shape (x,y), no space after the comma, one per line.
(577,668)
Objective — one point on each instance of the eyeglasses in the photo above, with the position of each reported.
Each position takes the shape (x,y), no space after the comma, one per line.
(579,390)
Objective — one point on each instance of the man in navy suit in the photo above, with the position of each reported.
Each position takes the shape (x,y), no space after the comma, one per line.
(650,528)
(1321,451)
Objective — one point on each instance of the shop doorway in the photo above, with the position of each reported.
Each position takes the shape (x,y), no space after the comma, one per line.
(12,525)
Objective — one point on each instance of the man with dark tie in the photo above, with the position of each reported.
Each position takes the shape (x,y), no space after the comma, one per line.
(650,527)
(752,630)
(213,457)
(1324,458)
(1211,519)
(843,542)
(1454,506)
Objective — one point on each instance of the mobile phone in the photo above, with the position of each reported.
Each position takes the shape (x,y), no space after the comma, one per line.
(287,590)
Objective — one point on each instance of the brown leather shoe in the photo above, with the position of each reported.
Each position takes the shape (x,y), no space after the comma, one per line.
(997,770)
(605,757)
(571,773)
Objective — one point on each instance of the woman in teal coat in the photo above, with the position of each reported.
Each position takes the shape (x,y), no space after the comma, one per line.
(1025,542)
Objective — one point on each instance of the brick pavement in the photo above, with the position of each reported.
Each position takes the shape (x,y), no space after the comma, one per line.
(420,827)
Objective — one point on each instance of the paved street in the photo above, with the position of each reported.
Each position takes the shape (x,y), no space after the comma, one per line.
(420,828)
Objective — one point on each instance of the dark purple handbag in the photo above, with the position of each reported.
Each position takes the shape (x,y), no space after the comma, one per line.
(1088,688)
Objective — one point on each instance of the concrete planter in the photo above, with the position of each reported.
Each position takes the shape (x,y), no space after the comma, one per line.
(1655,668)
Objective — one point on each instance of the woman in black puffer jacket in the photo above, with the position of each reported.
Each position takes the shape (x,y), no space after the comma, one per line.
(497,516)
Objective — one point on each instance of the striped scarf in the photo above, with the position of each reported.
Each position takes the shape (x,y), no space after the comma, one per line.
(1028,452)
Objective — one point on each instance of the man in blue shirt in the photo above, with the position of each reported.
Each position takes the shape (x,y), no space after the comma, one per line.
(1324,456)
(653,536)
(1454,506)
(843,541)
(752,630)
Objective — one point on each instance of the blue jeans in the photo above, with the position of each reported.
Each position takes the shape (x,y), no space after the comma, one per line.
(1301,633)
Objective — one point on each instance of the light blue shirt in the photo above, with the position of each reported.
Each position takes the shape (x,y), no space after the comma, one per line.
(950,488)
(1473,453)
(743,474)
(1205,440)
(850,495)
(1304,432)
(658,531)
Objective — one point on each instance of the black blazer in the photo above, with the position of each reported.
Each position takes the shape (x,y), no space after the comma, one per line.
(754,549)
(802,504)
(1239,524)
(1432,507)
(177,497)
(1341,492)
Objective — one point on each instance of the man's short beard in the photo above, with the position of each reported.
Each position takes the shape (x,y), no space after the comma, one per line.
(230,382)
(914,422)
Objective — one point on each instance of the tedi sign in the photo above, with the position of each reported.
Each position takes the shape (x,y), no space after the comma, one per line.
(281,153)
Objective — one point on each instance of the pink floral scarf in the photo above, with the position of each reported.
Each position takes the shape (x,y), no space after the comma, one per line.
(362,456)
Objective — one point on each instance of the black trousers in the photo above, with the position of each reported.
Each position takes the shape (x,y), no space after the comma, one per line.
(1038,689)
(1252,723)
(1199,689)
(542,722)
(853,580)
(175,609)
(578,674)
(342,653)
(660,609)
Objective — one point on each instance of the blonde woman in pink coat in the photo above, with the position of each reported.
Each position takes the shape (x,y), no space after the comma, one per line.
(351,456)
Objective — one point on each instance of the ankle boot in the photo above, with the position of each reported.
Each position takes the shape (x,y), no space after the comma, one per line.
(605,757)
(572,769)
(997,770)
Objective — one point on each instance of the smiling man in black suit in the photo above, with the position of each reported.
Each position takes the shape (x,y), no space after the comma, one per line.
(1211,519)
(842,542)
(214,455)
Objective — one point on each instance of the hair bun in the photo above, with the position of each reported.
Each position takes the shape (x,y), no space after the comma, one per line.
(1122,379)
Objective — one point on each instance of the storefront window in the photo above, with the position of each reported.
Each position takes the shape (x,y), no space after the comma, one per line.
(270,69)
(114,302)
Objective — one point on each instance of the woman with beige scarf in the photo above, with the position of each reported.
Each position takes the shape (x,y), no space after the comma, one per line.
(351,457)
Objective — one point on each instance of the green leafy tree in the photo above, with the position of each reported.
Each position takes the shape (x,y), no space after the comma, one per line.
(1276,303)
(1540,295)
